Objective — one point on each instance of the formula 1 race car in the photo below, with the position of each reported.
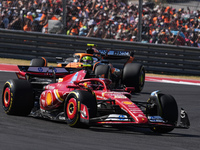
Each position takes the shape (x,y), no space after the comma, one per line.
(82,101)
(130,75)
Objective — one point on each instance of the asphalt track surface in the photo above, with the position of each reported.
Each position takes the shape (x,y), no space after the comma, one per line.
(19,133)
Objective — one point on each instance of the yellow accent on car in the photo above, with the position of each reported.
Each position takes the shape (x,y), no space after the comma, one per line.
(78,114)
(9,84)
(75,94)
(127,102)
(91,45)
(86,65)
(60,98)
(49,99)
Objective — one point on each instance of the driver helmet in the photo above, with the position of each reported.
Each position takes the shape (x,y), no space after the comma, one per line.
(88,59)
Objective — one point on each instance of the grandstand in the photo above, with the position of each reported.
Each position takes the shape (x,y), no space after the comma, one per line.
(163,21)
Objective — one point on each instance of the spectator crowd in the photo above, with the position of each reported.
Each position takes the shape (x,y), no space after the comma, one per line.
(110,19)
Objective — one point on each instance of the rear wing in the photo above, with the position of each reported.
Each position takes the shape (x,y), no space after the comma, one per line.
(43,69)
(109,54)
(44,72)
(114,54)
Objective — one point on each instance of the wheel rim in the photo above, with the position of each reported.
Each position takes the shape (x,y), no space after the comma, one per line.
(142,78)
(71,109)
(6,97)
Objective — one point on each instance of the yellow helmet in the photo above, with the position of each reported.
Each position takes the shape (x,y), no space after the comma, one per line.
(88,59)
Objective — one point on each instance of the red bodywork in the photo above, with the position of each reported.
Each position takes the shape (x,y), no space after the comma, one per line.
(55,94)
(52,95)
(68,95)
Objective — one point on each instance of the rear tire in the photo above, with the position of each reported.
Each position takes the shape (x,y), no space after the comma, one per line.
(167,108)
(72,107)
(134,76)
(17,97)
(38,62)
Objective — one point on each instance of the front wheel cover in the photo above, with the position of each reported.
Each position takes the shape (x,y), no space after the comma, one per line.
(72,109)
(72,112)
(6,99)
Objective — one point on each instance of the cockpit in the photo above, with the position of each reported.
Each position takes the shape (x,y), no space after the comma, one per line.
(96,83)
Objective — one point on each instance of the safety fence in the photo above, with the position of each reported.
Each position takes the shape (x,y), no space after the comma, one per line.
(193,5)
(155,57)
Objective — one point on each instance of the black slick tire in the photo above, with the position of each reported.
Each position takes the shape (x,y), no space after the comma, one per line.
(38,62)
(103,71)
(17,97)
(167,108)
(134,76)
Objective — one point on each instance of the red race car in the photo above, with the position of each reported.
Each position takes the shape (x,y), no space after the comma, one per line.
(56,94)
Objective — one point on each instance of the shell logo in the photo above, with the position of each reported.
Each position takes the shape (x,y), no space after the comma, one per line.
(127,102)
(60,80)
(49,99)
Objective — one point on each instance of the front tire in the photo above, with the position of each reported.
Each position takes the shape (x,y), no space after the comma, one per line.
(103,71)
(134,76)
(17,97)
(166,107)
(72,107)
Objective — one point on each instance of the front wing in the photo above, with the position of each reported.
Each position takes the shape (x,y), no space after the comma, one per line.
(113,119)
(121,119)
